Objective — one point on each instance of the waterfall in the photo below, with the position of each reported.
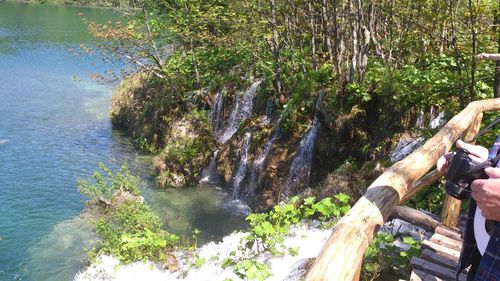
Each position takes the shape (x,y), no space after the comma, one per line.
(241,111)
(217,115)
(300,170)
(269,112)
(209,174)
(242,167)
(420,120)
(259,162)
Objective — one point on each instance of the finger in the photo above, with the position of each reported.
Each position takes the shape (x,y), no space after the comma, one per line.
(477,190)
(493,173)
(475,150)
(442,164)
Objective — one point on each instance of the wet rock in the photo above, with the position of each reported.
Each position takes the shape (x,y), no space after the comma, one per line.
(405,147)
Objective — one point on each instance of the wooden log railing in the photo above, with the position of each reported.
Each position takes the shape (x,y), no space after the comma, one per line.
(341,256)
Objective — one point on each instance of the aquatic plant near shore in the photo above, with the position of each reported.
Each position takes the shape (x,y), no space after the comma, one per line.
(127,227)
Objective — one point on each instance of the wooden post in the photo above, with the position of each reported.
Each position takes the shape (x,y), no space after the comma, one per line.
(451,208)
(342,254)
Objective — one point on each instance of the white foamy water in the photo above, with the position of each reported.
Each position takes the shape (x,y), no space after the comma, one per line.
(242,168)
(217,115)
(300,170)
(307,239)
(259,162)
(241,111)
(405,147)
(209,173)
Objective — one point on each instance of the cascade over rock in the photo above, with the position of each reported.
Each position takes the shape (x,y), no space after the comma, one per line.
(300,170)
(241,110)
(260,163)
(259,159)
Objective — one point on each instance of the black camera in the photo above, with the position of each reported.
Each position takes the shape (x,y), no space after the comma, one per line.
(462,172)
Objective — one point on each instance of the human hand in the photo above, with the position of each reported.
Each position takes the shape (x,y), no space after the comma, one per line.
(477,152)
(486,192)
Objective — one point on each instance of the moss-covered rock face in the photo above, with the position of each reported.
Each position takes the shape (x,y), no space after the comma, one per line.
(270,154)
(256,161)
(188,149)
(138,106)
(182,141)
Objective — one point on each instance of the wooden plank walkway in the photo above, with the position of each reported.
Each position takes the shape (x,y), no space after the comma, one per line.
(439,257)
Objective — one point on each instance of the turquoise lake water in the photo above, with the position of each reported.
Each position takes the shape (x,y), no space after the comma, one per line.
(54,129)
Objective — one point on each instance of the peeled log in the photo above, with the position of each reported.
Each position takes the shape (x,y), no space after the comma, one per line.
(342,254)
(415,217)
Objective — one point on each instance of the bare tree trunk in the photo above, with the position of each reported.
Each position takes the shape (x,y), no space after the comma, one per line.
(336,36)
(472,21)
(372,23)
(496,82)
(363,47)
(276,53)
(340,55)
(326,29)
(354,30)
(391,30)
(313,33)
(443,39)
(155,54)
(456,55)
(195,65)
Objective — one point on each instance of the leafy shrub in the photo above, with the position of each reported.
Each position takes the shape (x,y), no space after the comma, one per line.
(127,227)
(104,186)
(133,233)
(268,231)
(383,256)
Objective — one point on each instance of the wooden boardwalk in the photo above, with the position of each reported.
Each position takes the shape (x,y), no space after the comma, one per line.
(439,257)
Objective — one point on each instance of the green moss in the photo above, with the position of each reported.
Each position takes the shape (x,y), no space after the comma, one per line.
(185,154)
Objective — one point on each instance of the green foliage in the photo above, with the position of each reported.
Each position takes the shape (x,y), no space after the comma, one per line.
(325,208)
(186,152)
(383,256)
(430,199)
(252,270)
(268,231)
(199,262)
(133,233)
(489,137)
(127,227)
(104,186)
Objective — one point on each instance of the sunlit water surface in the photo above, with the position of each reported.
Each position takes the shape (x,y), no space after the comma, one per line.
(54,129)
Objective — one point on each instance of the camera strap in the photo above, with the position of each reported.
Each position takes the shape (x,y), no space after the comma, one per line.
(487,128)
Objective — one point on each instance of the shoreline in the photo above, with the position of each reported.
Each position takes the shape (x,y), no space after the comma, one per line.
(70,3)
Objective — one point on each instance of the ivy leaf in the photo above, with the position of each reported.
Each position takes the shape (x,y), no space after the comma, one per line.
(342,197)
